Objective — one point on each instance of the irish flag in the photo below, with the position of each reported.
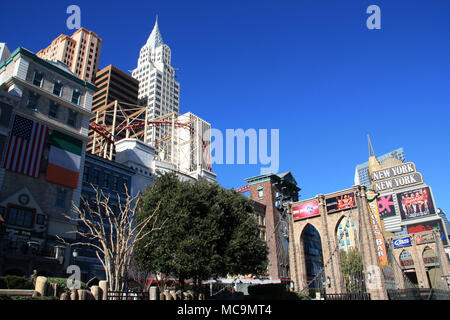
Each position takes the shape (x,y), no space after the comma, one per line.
(64,160)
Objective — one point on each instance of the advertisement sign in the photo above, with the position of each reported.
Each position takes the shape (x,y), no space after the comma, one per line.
(402,242)
(399,176)
(342,202)
(424,238)
(400,182)
(393,172)
(386,206)
(415,203)
(427,226)
(305,210)
(376,228)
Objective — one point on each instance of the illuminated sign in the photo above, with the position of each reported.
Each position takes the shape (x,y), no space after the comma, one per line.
(342,202)
(415,203)
(377,231)
(305,210)
(400,176)
(402,242)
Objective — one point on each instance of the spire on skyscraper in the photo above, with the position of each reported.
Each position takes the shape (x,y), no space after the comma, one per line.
(155,38)
(374,164)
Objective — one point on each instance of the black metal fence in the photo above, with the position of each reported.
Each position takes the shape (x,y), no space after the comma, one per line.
(347,296)
(127,295)
(418,294)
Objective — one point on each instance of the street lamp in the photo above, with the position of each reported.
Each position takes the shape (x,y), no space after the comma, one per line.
(329,282)
(75,255)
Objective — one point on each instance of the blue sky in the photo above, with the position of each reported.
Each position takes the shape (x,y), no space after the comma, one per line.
(308,68)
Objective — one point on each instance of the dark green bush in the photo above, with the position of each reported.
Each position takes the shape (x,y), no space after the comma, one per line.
(62,283)
(15,282)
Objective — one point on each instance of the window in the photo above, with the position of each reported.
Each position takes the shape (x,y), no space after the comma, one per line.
(115,183)
(20,217)
(38,79)
(106,180)
(86,174)
(95,176)
(53,110)
(57,88)
(40,219)
(260,193)
(72,118)
(33,100)
(61,197)
(76,96)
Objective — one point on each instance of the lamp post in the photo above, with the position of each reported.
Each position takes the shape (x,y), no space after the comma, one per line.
(75,255)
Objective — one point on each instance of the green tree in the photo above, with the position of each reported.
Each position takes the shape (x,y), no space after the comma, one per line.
(352,269)
(208,231)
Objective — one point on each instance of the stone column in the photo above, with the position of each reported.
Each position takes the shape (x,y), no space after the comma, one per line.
(41,286)
(368,250)
(103,286)
(154,293)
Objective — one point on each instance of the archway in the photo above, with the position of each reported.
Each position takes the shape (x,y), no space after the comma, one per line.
(350,258)
(312,246)
(408,267)
(432,267)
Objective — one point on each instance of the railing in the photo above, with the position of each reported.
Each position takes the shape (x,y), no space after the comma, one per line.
(418,294)
(347,296)
(128,295)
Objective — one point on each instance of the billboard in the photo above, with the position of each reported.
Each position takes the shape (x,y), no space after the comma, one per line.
(402,242)
(427,226)
(376,227)
(415,203)
(305,210)
(396,177)
(342,202)
(386,206)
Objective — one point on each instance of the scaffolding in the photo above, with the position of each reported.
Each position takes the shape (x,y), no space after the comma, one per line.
(182,140)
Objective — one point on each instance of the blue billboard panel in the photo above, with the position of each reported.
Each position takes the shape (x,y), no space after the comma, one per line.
(402,242)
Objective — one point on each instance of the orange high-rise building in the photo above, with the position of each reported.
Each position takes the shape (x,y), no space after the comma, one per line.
(80,52)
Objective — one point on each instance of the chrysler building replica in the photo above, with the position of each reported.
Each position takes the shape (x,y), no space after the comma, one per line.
(181,140)
(158,90)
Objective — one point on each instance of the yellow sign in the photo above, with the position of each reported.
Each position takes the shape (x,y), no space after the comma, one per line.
(378,232)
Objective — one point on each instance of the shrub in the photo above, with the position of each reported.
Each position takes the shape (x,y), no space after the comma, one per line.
(15,282)
(62,283)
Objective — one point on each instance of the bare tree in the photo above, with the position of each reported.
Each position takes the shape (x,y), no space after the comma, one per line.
(113,235)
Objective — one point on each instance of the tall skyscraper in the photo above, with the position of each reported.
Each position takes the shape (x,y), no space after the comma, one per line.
(116,99)
(158,90)
(80,52)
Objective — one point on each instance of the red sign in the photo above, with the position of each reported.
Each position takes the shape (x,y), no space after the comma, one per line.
(305,210)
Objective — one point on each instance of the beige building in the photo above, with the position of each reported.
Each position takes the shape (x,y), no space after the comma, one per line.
(45,111)
(80,52)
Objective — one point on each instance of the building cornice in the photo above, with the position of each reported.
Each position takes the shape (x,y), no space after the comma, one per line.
(48,65)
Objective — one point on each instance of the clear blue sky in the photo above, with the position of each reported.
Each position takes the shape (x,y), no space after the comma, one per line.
(308,68)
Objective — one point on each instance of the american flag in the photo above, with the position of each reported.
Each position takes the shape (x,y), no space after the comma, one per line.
(26,146)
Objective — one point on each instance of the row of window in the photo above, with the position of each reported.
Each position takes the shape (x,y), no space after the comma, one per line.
(23,217)
(54,109)
(105,180)
(38,80)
